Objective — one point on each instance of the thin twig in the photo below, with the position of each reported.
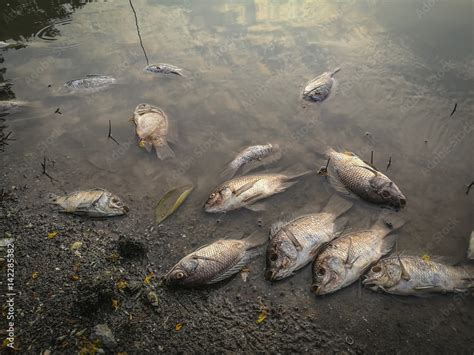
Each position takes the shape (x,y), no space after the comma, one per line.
(110,133)
(138,31)
(372,157)
(468,188)
(43,165)
(454,109)
(389,163)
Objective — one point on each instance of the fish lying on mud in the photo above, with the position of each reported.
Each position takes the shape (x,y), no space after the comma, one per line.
(417,276)
(295,243)
(92,203)
(215,262)
(164,68)
(91,83)
(344,260)
(351,175)
(11,106)
(245,191)
(153,130)
(319,88)
(251,158)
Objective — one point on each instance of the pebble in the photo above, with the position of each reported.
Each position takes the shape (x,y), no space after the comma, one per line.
(105,335)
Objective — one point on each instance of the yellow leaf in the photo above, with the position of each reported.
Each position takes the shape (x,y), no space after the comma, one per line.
(141,143)
(426,257)
(115,304)
(262,316)
(121,284)
(179,326)
(53,234)
(34,275)
(75,277)
(148,278)
(114,256)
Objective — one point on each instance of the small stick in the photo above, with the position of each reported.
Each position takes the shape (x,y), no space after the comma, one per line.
(324,169)
(468,188)
(110,133)
(389,163)
(43,164)
(57,111)
(454,109)
(327,164)
(372,157)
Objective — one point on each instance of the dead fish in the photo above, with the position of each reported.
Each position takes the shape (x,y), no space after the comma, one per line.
(91,83)
(351,175)
(164,68)
(345,259)
(295,243)
(417,276)
(92,203)
(319,88)
(252,157)
(470,251)
(12,106)
(215,262)
(245,191)
(152,128)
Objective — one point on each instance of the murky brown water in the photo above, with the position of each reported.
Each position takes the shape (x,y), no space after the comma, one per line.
(404,66)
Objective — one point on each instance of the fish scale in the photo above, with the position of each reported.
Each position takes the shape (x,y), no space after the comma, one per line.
(235,184)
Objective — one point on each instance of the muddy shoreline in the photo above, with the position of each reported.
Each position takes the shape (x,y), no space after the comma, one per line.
(64,291)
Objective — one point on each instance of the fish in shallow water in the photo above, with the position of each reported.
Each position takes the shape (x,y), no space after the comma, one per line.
(91,83)
(319,88)
(11,106)
(164,68)
(245,191)
(252,157)
(351,175)
(417,276)
(295,243)
(345,259)
(152,128)
(215,262)
(92,203)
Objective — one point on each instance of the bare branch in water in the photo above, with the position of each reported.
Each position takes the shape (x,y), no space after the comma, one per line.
(110,133)
(389,163)
(43,165)
(468,187)
(454,109)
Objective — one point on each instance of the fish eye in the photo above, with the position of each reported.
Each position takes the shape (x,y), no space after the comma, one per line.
(179,275)
(376,269)
(385,193)
(273,256)
(321,271)
(212,195)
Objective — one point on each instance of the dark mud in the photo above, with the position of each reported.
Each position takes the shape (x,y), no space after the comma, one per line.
(113,278)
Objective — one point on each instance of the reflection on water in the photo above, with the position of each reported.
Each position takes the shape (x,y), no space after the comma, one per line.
(247,63)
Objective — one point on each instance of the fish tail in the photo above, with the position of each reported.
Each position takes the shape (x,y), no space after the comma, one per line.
(229,172)
(298,175)
(255,240)
(388,243)
(335,71)
(163,151)
(337,205)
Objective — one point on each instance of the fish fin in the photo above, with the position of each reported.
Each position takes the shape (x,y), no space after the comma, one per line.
(252,199)
(284,186)
(340,226)
(335,71)
(298,175)
(229,172)
(164,151)
(272,158)
(389,221)
(244,188)
(372,170)
(388,243)
(337,185)
(257,207)
(255,240)
(172,134)
(405,275)
(199,257)
(350,258)
(276,227)
(425,287)
(337,206)
(231,271)
(293,239)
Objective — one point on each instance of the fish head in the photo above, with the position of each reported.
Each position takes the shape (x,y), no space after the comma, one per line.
(329,274)
(218,201)
(110,205)
(388,193)
(182,273)
(281,259)
(383,275)
(142,108)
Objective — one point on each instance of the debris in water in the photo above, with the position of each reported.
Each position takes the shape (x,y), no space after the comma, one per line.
(153,299)
(179,326)
(171,201)
(324,169)
(57,111)
(389,163)
(470,252)
(34,275)
(426,257)
(468,187)
(121,284)
(110,133)
(115,304)
(148,278)
(53,234)
(263,315)
(454,109)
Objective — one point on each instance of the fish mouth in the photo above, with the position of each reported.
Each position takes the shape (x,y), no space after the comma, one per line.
(126,209)
(270,275)
(317,289)
(402,202)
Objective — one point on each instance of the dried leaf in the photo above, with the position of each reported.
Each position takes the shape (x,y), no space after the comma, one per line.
(75,277)
(75,246)
(148,278)
(52,234)
(115,304)
(34,275)
(426,257)
(179,326)
(121,284)
(170,202)
(262,316)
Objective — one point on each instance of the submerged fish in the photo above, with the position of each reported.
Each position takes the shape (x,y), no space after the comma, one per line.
(319,88)
(11,105)
(252,157)
(345,259)
(152,128)
(245,191)
(164,68)
(295,243)
(350,174)
(414,275)
(92,203)
(215,262)
(92,82)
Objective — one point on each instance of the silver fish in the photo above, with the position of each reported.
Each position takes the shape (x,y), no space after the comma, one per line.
(414,275)
(252,157)
(215,262)
(245,191)
(350,174)
(345,259)
(91,83)
(164,68)
(153,130)
(319,88)
(92,203)
(11,106)
(295,243)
